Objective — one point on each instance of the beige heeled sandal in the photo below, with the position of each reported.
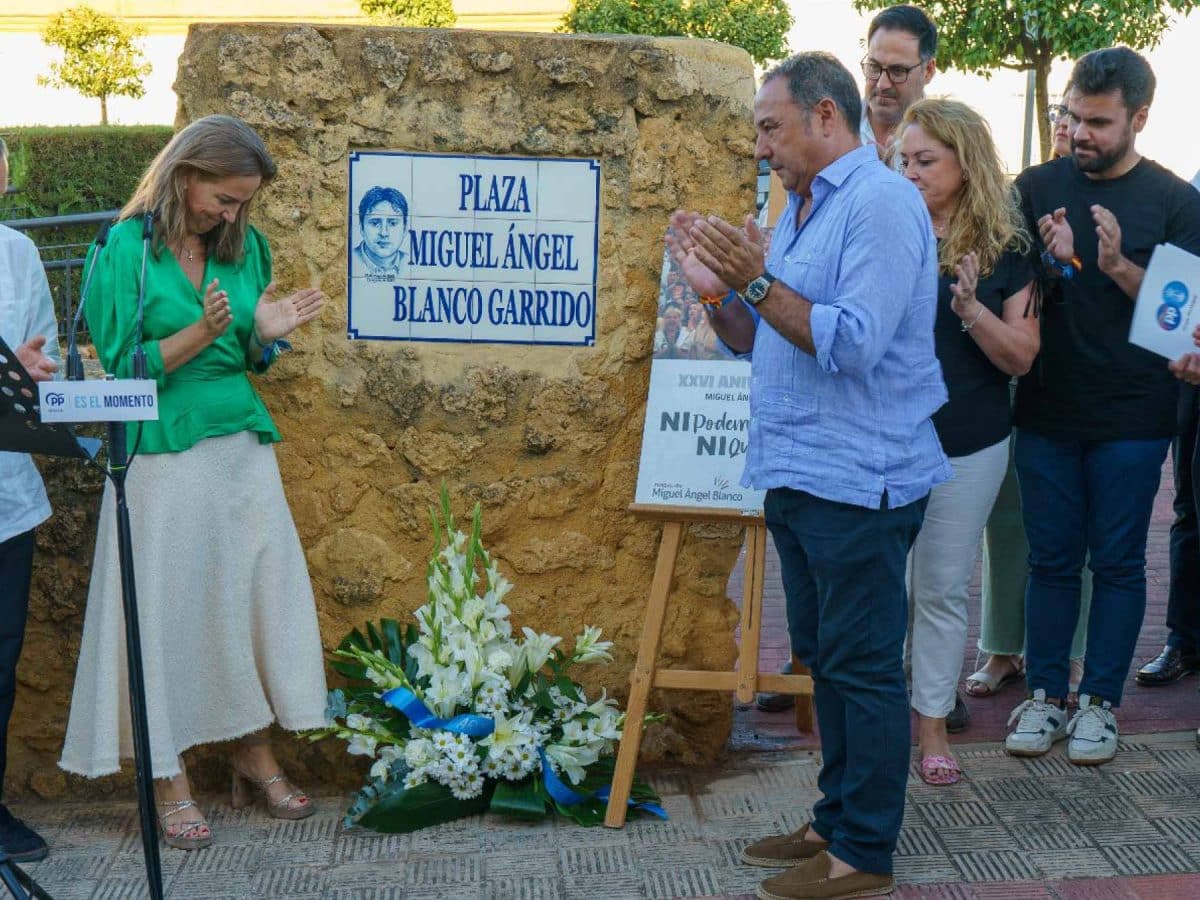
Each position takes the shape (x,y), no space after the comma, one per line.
(184,835)
(244,787)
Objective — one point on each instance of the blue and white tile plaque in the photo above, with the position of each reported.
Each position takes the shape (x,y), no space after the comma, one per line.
(474,249)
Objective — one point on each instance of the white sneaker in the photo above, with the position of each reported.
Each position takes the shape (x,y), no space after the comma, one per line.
(1039,726)
(1093,733)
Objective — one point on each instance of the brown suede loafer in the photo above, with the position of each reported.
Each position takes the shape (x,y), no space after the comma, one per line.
(782,850)
(810,881)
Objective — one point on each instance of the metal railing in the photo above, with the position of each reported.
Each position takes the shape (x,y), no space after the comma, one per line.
(63,256)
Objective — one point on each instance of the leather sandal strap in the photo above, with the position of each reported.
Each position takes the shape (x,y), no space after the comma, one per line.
(180,829)
(173,807)
(286,802)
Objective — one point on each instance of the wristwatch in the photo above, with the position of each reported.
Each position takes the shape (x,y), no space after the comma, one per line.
(756,290)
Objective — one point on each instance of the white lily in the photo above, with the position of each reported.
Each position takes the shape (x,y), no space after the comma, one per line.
(538,648)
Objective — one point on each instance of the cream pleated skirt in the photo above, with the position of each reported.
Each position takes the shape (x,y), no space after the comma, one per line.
(229,632)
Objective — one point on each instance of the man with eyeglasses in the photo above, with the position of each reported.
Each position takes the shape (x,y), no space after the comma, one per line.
(1096,415)
(900,61)
(1060,140)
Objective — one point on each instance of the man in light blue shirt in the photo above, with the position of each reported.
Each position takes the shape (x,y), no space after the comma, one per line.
(838,324)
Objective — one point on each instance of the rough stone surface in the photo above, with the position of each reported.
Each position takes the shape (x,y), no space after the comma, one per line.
(545,439)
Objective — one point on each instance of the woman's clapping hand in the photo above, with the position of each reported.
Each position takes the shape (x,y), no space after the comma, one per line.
(217,313)
(276,318)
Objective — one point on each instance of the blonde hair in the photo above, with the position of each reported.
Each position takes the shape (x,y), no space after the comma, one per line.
(213,147)
(988,217)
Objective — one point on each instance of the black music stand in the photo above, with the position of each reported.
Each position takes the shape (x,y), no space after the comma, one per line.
(22,431)
(18,882)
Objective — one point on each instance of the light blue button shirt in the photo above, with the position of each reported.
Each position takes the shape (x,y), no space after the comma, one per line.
(852,422)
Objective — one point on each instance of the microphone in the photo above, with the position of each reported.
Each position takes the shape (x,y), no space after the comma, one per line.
(74,362)
(139,352)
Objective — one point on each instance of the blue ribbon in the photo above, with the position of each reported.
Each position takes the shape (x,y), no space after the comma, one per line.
(420,715)
(568,796)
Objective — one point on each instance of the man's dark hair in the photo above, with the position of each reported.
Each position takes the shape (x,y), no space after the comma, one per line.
(1116,69)
(910,19)
(814,75)
(377,195)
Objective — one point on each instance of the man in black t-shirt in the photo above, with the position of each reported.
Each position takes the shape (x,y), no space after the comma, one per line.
(1096,415)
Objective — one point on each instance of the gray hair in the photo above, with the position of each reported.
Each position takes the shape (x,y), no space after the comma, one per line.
(814,76)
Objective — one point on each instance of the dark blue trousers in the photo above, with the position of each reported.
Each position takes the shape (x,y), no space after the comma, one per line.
(1183,597)
(843,576)
(16,570)
(1080,498)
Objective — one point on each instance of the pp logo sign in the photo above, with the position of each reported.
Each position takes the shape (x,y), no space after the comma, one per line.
(1175,293)
(1175,297)
(56,400)
(1169,317)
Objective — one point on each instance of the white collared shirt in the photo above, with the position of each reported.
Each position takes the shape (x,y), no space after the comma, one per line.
(867,135)
(26,310)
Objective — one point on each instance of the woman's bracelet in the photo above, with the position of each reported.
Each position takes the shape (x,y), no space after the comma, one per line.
(975,321)
(272,350)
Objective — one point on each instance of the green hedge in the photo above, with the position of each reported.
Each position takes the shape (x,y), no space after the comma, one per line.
(77,169)
(58,171)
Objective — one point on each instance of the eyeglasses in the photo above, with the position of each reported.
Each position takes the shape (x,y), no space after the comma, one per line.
(1057,112)
(896,74)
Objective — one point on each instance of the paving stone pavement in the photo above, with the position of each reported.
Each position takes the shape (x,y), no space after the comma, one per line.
(1013,830)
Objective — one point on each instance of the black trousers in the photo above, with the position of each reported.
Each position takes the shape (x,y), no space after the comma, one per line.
(16,571)
(1183,596)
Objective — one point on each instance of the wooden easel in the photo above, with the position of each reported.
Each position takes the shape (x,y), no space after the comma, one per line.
(745,682)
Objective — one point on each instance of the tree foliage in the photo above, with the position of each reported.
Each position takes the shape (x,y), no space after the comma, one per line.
(759,27)
(977,37)
(101,58)
(411,13)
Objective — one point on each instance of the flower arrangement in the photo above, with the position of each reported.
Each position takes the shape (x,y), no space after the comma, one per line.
(459,715)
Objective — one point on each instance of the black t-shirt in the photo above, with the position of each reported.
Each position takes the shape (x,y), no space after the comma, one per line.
(979,412)
(1090,383)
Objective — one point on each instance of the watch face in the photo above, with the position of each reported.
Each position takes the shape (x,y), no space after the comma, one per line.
(757,290)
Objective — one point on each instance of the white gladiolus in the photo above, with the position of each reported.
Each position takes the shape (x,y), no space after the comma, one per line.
(362,745)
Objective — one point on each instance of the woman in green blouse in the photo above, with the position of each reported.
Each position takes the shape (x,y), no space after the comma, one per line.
(228,625)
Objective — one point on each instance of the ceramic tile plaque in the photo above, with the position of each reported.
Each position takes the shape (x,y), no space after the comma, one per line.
(472,249)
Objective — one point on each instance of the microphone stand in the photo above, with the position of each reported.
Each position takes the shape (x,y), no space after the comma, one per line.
(13,877)
(118,470)
(74,365)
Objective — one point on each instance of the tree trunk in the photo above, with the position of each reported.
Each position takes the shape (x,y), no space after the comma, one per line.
(1042,102)
(104,110)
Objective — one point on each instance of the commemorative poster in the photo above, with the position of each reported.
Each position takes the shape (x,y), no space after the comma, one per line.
(697,411)
(472,249)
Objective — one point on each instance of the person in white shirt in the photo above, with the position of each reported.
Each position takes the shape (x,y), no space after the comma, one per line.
(28,326)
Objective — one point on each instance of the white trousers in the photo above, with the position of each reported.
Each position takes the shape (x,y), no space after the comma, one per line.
(939,572)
